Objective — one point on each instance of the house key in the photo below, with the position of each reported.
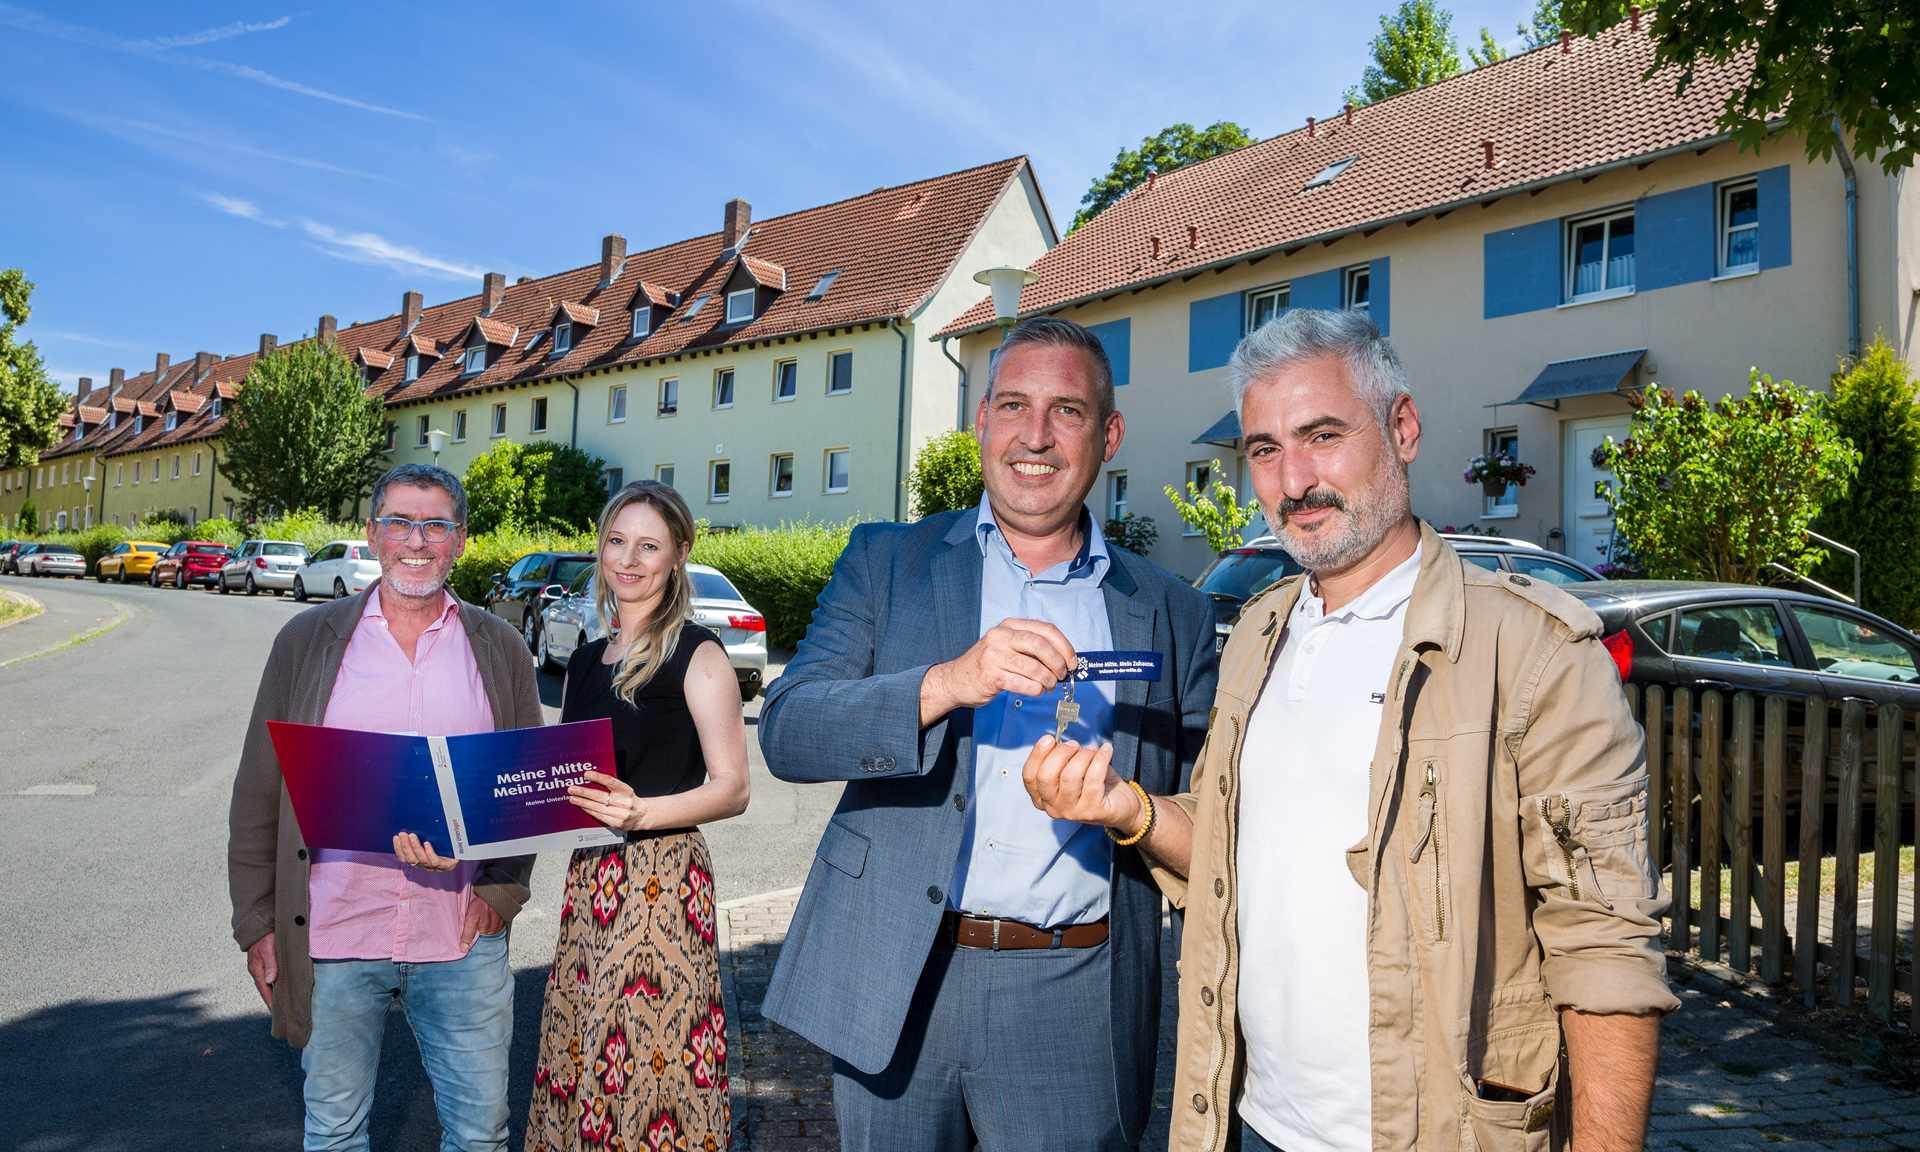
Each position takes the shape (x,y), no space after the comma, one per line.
(1067,711)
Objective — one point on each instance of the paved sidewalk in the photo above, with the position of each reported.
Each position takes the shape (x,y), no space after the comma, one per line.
(1729,1079)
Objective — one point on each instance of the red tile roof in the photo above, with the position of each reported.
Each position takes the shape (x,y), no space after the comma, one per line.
(420,343)
(374,358)
(765,273)
(653,294)
(187,403)
(92,415)
(1550,117)
(495,332)
(578,313)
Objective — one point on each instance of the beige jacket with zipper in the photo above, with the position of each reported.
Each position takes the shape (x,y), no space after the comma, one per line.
(1505,864)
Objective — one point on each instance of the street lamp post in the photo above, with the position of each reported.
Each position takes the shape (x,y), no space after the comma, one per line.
(1005,283)
(436,440)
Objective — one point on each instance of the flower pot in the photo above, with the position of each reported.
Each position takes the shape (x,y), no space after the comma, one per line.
(1493,486)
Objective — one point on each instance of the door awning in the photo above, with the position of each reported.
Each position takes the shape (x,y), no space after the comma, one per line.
(1583,376)
(1225,432)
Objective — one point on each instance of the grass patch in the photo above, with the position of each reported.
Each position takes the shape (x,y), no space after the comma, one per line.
(15,608)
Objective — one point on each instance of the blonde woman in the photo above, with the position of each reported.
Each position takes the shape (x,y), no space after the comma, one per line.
(633,1046)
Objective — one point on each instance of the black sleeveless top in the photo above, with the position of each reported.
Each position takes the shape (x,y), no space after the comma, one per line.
(655,743)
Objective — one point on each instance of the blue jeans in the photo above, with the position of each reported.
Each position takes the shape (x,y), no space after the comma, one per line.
(1251,1141)
(461,1012)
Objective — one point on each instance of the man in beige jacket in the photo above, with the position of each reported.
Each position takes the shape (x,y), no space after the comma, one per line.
(1413,855)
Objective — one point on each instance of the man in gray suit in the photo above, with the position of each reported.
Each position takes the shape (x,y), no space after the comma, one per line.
(979,971)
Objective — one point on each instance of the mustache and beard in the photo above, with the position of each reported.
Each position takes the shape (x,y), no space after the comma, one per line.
(1339,542)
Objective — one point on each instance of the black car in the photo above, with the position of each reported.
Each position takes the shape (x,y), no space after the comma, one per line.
(1238,574)
(535,580)
(7,550)
(1742,638)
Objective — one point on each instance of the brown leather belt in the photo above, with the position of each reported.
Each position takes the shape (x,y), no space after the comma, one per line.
(963,931)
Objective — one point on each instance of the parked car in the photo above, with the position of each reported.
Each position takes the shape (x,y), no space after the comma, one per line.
(189,562)
(131,560)
(268,564)
(1238,574)
(571,619)
(537,579)
(1737,637)
(52,560)
(340,569)
(8,550)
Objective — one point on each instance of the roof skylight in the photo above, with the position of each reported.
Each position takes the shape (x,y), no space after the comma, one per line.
(820,289)
(1330,173)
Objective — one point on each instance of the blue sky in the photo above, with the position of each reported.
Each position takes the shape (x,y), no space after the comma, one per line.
(183,177)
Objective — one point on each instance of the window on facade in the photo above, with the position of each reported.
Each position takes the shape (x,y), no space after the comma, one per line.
(119,475)
(460,426)
(1265,304)
(616,403)
(173,421)
(217,405)
(840,373)
(740,306)
(669,396)
(393,431)
(1504,442)
(1200,475)
(780,475)
(642,322)
(719,480)
(420,433)
(786,379)
(1116,495)
(1600,256)
(176,465)
(136,474)
(156,468)
(413,366)
(1739,228)
(539,414)
(499,419)
(664,474)
(476,360)
(616,480)
(837,469)
(562,338)
(196,463)
(723,388)
(1359,289)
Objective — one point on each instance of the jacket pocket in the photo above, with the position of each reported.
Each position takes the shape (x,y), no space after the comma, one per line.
(843,848)
(1516,1124)
(1427,872)
(1592,843)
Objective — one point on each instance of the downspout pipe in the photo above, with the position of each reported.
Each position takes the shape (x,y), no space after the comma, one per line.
(960,420)
(900,429)
(573,435)
(213,472)
(1853,239)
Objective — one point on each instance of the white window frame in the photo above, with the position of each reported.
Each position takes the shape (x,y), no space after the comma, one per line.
(778,365)
(826,470)
(119,475)
(537,419)
(474,352)
(663,473)
(137,470)
(1117,485)
(156,469)
(642,323)
(420,431)
(176,466)
(460,426)
(173,420)
(499,418)
(617,412)
(614,478)
(1280,294)
(562,339)
(834,358)
(1349,280)
(1727,228)
(393,434)
(714,495)
(413,367)
(218,406)
(196,463)
(1571,269)
(1507,505)
(1193,472)
(733,381)
(737,318)
(773,476)
(668,405)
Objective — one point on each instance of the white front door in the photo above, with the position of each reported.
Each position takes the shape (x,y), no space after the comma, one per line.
(1585,515)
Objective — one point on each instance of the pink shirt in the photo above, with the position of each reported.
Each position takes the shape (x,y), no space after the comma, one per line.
(367,905)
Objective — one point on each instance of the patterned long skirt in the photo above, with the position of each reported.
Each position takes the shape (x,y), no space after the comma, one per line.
(633,1037)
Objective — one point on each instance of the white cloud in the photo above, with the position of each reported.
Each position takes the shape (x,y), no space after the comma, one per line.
(244,209)
(164,137)
(231,31)
(372,248)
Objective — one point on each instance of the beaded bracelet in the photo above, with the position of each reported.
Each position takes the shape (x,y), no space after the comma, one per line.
(1146,802)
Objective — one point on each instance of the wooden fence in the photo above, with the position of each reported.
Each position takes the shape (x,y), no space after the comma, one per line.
(1751,782)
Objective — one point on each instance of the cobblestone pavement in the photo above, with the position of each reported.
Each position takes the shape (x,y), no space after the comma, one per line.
(1729,1079)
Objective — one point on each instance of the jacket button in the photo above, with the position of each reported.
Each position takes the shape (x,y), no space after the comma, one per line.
(300,854)
(959,802)
(934,895)
(1199,1103)
(1206,997)
(1219,887)
(1520,580)
(1223,785)
(299,921)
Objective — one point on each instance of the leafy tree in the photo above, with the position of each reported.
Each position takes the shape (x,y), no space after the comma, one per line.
(1174,147)
(1489,51)
(1854,60)
(534,487)
(1723,491)
(945,475)
(1216,512)
(30,404)
(304,433)
(1543,27)
(1414,48)
(1876,406)
(1134,532)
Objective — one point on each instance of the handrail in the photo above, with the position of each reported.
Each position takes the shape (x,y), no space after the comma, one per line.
(1833,592)
(1849,551)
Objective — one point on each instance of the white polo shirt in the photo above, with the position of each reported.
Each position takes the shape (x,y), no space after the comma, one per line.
(1303,921)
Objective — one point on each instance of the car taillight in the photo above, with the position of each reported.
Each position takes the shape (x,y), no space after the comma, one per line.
(748,623)
(1620,647)
(259,561)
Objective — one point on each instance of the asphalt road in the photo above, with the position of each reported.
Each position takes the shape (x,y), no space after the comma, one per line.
(126,1017)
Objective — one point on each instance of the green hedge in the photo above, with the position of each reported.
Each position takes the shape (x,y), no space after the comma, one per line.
(492,552)
(781,571)
(307,528)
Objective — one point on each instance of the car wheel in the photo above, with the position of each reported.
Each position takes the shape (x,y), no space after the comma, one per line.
(339,588)
(530,630)
(543,655)
(100,575)
(252,588)
(180,579)
(299,590)
(153,578)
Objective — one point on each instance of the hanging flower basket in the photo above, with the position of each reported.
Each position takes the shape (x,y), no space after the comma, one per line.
(1494,486)
(1495,471)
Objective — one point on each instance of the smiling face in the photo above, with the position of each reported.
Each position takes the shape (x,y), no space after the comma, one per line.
(639,555)
(1332,480)
(1042,438)
(413,568)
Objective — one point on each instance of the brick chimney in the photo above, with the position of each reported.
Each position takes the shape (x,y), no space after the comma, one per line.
(409,313)
(493,290)
(203,362)
(268,342)
(115,379)
(1486,150)
(613,253)
(86,386)
(1633,16)
(329,328)
(1566,42)
(1349,111)
(739,218)
(160,362)
(1310,132)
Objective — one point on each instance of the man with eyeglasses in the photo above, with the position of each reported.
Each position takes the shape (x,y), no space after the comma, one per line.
(334,939)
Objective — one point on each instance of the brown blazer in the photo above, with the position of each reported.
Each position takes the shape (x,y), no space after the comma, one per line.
(266,857)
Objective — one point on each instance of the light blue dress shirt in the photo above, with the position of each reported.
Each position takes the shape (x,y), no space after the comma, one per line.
(1016,863)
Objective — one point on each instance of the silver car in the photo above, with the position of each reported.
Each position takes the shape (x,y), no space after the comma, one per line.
(342,568)
(268,564)
(570,620)
(53,560)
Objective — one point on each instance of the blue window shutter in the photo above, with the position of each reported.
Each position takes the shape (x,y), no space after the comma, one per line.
(1776,218)
(1674,237)
(1116,336)
(1379,295)
(1521,269)
(1213,329)
(1320,290)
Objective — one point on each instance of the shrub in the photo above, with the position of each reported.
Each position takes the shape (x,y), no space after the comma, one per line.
(493,552)
(781,571)
(945,475)
(307,527)
(219,528)
(1876,406)
(1137,534)
(542,486)
(1216,512)
(94,542)
(29,518)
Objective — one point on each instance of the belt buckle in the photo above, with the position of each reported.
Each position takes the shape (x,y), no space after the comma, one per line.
(996,934)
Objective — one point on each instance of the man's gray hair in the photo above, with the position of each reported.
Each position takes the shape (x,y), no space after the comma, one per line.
(1310,333)
(1053,332)
(422,476)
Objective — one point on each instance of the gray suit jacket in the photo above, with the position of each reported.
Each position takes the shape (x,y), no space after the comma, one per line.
(904,597)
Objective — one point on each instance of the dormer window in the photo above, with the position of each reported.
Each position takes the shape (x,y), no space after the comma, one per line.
(217,403)
(413,367)
(740,306)
(173,420)
(139,423)
(113,419)
(642,321)
(562,338)
(475,361)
